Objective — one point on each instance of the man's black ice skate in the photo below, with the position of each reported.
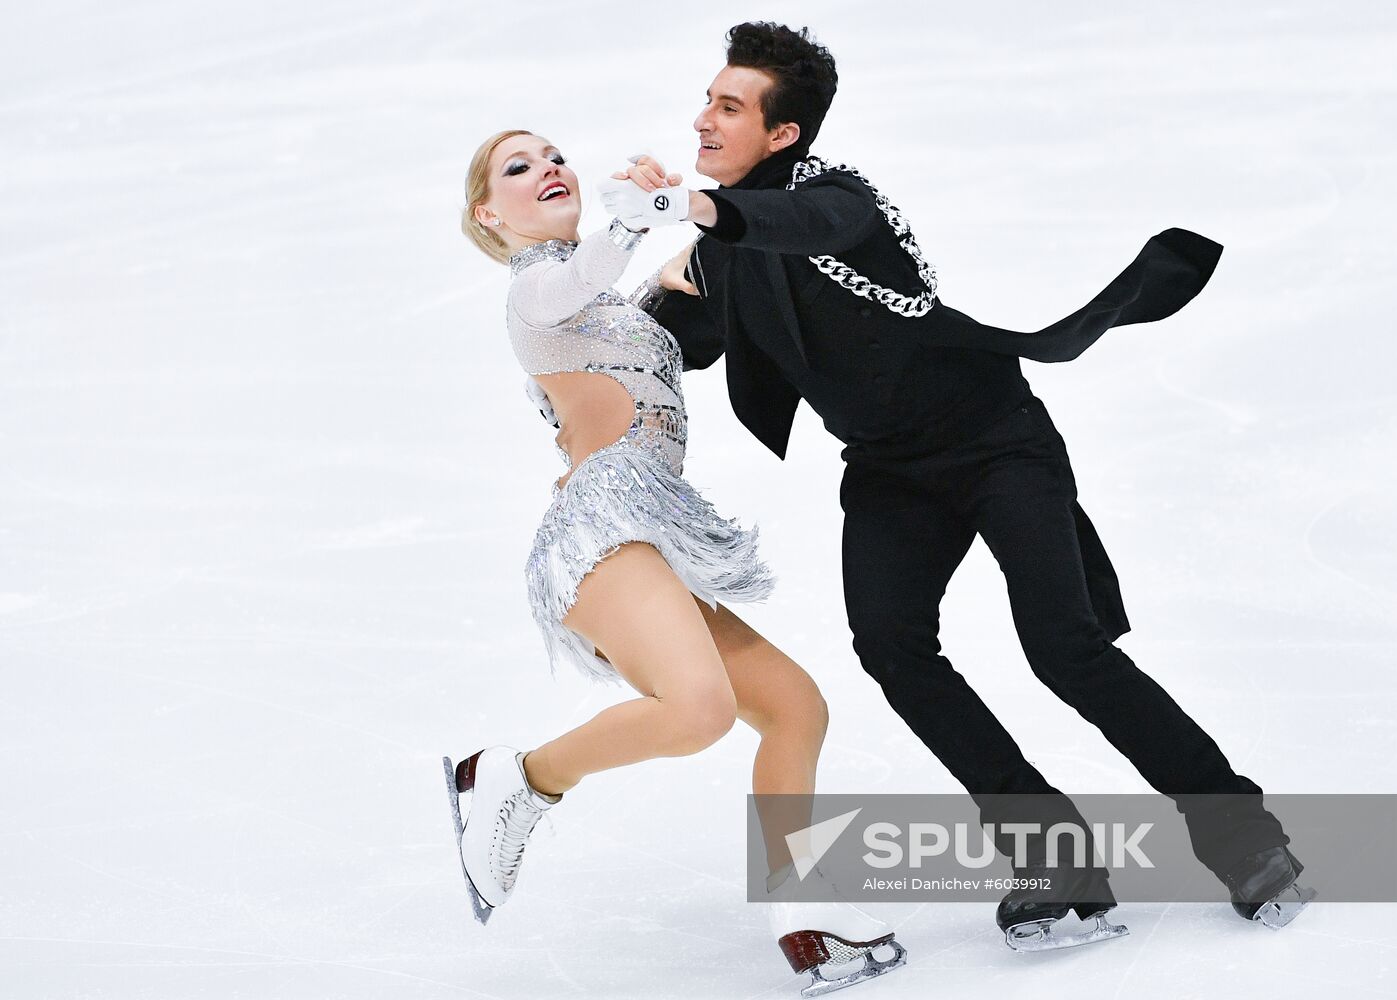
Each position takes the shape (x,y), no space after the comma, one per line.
(1264,889)
(1029,916)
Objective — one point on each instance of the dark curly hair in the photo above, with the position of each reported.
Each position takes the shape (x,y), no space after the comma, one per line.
(805,79)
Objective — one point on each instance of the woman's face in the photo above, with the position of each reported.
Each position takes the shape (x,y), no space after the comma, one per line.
(532,193)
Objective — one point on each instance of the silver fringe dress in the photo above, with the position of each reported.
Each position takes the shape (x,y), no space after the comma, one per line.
(564,316)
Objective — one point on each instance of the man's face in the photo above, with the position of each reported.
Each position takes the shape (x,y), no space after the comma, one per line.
(732,136)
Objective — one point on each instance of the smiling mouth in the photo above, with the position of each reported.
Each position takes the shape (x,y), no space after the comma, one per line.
(555,192)
(705,147)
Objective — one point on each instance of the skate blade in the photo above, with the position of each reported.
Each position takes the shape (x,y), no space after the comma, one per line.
(871,967)
(479,907)
(1286,906)
(1040,935)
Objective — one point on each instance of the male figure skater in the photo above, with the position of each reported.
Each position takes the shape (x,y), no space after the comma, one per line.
(813,286)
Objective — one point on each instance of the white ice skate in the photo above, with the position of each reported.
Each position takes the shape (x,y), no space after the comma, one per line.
(836,942)
(500,812)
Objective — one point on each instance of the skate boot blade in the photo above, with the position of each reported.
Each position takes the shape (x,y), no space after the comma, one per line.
(1286,906)
(479,907)
(847,962)
(1042,935)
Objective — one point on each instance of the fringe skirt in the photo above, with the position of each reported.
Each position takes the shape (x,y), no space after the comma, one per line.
(623,493)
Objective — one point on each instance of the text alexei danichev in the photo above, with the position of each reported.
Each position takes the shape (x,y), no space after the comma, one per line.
(943,884)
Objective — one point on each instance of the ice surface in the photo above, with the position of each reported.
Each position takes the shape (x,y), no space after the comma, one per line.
(267,478)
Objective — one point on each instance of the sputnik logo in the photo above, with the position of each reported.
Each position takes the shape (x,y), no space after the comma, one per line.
(809,845)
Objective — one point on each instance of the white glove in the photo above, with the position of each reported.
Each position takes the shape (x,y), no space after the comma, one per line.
(540,399)
(640,209)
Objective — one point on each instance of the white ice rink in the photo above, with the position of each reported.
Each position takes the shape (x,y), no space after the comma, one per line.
(268,476)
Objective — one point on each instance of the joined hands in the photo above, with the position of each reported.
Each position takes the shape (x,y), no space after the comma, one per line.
(645,195)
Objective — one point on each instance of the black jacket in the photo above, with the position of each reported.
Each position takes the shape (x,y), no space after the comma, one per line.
(790,331)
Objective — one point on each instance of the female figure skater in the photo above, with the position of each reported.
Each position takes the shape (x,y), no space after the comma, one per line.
(627,567)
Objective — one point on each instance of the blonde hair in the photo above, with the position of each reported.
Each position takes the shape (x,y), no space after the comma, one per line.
(478,190)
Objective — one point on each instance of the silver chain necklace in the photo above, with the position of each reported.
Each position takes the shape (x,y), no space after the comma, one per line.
(904,305)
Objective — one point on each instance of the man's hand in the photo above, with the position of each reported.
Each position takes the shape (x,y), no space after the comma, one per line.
(672,275)
(648,172)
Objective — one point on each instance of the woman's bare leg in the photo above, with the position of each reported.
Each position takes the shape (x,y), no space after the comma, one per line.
(633,608)
(782,703)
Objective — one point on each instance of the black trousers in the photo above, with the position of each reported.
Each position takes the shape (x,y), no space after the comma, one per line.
(911,513)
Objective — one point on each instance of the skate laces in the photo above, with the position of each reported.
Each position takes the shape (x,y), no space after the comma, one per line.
(517,817)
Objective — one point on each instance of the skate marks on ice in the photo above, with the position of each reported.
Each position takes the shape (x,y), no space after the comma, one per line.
(102,961)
